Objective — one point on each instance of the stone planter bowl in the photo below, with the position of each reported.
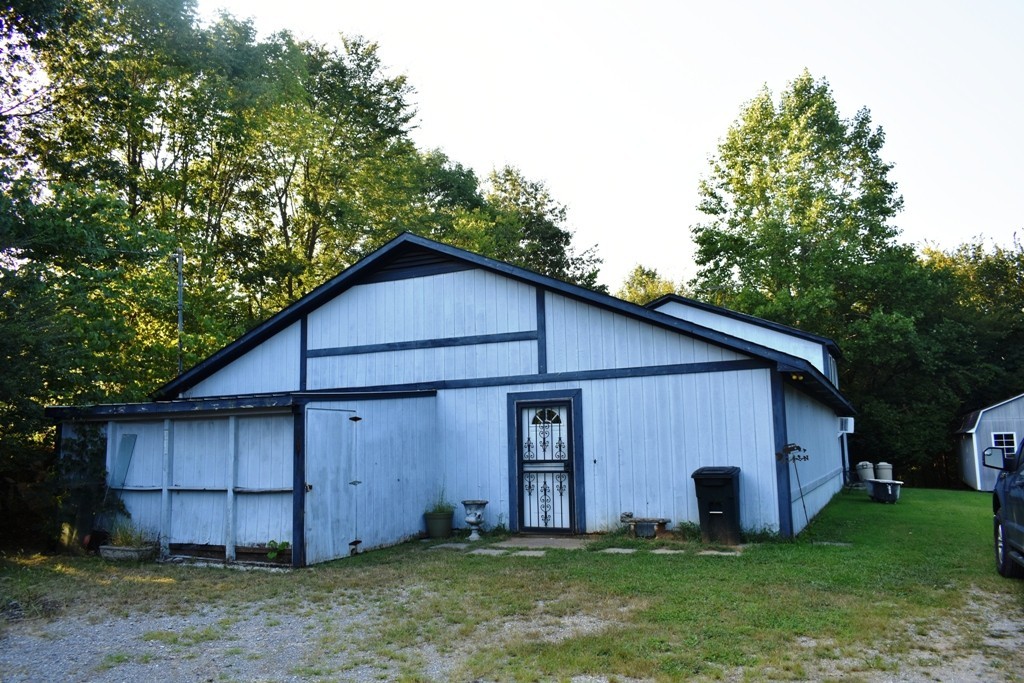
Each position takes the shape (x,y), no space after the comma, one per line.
(121,553)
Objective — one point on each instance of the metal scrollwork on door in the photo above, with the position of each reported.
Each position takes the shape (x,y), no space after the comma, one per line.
(545,434)
(545,456)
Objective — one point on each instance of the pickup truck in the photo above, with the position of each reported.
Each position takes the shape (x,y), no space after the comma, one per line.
(1008,510)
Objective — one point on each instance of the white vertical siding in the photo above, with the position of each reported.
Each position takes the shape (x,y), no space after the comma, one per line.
(1007,417)
(200,453)
(265,456)
(143,476)
(648,435)
(473,449)
(144,507)
(263,517)
(581,336)
(393,453)
(810,351)
(815,428)
(264,452)
(971,466)
(642,438)
(270,367)
(423,365)
(143,469)
(199,504)
(199,462)
(459,304)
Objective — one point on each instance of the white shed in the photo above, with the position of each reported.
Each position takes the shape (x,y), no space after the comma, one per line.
(1000,425)
(426,370)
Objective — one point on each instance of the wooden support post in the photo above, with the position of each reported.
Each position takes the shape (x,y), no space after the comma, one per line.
(165,489)
(231,514)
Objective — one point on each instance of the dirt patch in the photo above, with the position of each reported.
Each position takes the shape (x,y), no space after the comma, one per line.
(982,643)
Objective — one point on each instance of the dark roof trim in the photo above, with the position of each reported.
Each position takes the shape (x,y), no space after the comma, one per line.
(363,270)
(819,387)
(264,403)
(279,402)
(969,423)
(743,317)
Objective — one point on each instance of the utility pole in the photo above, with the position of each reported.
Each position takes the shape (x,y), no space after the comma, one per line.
(179,259)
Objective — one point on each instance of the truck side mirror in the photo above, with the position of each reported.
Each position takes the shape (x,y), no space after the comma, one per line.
(997,459)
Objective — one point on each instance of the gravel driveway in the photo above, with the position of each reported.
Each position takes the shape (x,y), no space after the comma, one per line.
(255,642)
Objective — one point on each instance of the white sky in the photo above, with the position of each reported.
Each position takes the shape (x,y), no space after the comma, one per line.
(618,106)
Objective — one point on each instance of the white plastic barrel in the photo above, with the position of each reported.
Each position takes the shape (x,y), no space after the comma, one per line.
(883,470)
(865,471)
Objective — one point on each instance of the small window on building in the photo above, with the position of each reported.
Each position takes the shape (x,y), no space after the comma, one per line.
(1005,440)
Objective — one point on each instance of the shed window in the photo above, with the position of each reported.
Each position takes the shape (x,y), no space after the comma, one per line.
(1005,440)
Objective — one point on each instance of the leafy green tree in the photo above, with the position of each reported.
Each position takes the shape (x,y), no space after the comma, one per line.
(800,207)
(798,200)
(521,223)
(986,295)
(128,131)
(643,285)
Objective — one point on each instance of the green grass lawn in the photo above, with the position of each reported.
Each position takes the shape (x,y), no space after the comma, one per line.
(863,586)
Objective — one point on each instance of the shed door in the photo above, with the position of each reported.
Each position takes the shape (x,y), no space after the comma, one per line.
(546,500)
(330,497)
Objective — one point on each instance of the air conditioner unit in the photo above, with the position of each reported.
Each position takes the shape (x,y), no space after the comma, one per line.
(846,425)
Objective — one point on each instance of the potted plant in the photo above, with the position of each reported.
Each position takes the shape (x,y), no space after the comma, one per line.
(128,542)
(438,517)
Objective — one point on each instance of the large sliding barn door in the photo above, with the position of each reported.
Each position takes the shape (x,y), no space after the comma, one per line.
(330,519)
(545,464)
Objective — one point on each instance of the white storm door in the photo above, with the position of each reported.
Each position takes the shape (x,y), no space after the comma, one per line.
(546,468)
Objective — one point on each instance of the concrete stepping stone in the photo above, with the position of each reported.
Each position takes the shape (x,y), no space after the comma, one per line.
(619,551)
(528,553)
(487,551)
(720,553)
(450,546)
(667,551)
(534,542)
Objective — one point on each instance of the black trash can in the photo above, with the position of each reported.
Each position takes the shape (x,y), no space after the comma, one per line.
(718,500)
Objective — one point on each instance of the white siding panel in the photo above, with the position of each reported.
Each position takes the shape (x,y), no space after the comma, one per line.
(144,507)
(197,517)
(642,439)
(272,366)
(585,337)
(460,304)
(473,450)
(263,517)
(423,365)
(815,428)
(395,457)
(265,453)
(774,339)
(201,453)
(146,466)
(647,448)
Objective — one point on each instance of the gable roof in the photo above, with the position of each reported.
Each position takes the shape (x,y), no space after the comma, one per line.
(743,317)
(409,255)
(969,423)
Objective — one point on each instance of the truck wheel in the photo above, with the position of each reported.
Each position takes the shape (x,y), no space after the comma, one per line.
(1004,563)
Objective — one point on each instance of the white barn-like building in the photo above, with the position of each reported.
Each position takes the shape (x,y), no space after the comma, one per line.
(425,370)
(1000,425)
